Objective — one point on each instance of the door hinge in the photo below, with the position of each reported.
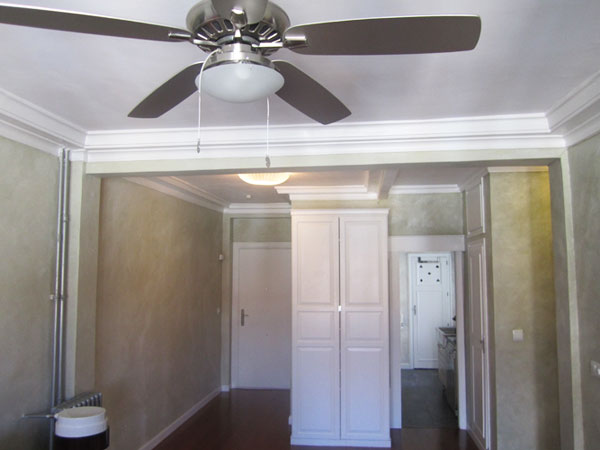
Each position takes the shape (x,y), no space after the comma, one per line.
(339,308)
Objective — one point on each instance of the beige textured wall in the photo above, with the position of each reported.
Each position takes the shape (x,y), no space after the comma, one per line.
(584,162)
(158,331)
(262,229)
(526,383)
(28,183)
(410,214)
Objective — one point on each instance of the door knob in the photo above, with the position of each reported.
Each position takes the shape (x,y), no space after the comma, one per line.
(243,316)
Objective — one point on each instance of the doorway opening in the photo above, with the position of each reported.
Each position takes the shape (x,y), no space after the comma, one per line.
(430,379)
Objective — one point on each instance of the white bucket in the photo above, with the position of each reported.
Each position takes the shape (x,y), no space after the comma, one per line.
(80,422)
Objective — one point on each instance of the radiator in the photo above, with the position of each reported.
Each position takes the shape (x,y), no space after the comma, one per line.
(83,399)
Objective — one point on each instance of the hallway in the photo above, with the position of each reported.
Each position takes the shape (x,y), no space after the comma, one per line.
(423,402)
(258,420)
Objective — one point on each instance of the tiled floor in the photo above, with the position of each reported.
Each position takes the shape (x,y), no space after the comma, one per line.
(423,403)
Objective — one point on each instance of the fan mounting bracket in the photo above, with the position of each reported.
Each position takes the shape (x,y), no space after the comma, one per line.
(210,30)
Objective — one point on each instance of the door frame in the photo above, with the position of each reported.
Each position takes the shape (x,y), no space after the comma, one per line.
(235,300)
(411,295)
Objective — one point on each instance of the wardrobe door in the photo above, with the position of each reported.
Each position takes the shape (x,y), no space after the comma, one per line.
(315,327)
(364,327)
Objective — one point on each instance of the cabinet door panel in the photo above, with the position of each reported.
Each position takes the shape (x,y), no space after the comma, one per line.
(364,328)
(315,327)
(316,259)
(316,411)
(365,413)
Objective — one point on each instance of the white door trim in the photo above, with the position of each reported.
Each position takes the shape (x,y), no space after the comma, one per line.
(235,300)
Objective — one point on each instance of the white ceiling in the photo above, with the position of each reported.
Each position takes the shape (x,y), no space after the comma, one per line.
(531,54)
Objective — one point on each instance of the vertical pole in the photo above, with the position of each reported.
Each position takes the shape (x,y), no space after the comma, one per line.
(56,293)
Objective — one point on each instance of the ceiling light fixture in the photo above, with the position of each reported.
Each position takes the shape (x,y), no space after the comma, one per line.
(237,74)
(265,179)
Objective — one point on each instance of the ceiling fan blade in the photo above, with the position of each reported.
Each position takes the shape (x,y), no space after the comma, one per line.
(388,36)
(54,19)
(254,10)
(169,94)
(308,96)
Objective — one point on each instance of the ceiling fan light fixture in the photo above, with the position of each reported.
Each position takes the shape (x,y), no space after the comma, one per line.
(265,179)
(241,82)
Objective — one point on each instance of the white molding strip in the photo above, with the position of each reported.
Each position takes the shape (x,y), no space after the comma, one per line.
(350,192)
(521,131)
(258,209)
(31,125)
(433,243)
(373,211)
(577,116)
(168,186)
(180,421)
(425,189)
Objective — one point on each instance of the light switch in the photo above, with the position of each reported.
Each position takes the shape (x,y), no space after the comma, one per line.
(517,335)
(595,366)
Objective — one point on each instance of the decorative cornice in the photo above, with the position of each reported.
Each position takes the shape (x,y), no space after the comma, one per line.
(258,209)
(577,115)
(572,119)
(425,189)
(496,132)
(179,189)
(29,124)
(351,192)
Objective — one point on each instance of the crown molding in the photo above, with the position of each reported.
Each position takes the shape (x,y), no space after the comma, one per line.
(425,189)
(522,131)
(577,115)
(350,192)
(258,209)
(174,187)
(24,122)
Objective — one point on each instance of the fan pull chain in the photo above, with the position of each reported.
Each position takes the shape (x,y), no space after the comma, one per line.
(200,98)
(267,159)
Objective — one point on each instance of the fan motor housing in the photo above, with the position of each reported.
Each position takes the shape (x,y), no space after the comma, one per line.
(205,23)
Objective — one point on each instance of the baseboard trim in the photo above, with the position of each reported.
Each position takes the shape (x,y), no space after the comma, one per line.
(385,443)
(178,422)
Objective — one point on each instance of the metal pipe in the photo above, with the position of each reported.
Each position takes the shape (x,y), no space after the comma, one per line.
(57,282)
(63,280)
(55,297)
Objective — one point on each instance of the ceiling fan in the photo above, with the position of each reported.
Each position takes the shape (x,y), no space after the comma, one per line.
(241,35)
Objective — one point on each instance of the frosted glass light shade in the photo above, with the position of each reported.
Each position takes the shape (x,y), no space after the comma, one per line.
(240,82)
(264,179)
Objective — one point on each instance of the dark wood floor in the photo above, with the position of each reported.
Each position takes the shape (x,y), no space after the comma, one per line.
(258,420)
(423,402)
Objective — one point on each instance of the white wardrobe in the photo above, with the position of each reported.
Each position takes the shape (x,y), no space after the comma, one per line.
(340,328)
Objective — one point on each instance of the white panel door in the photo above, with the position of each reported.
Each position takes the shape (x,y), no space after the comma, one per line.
(478,388)
(315,327)
(262,296)
(432,306)
(364,328)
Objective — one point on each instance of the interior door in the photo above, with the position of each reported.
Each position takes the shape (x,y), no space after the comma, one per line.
(262,297)
(431,306)
(478,389)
